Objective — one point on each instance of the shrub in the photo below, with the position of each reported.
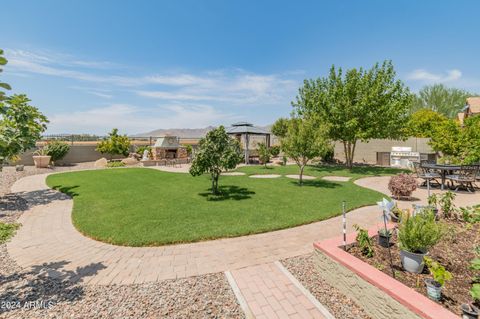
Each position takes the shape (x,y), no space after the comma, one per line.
(275,150)
(364,241)
(329,156)
(115,164)
(402,185)
(57,150)
(114,144)
(142,149)
(446,203)
(417,234)
(438,272)
(263,153)
(7,231)
(471,214)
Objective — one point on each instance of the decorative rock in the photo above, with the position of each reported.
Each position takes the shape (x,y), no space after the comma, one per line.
(305,177)
(129,161)
(100,163)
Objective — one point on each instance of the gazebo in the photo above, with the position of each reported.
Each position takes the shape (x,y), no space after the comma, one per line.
(245,130)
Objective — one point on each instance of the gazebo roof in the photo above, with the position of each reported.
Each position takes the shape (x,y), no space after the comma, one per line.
(246,128)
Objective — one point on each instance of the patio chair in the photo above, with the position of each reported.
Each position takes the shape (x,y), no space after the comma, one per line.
(428,176)
(465,178)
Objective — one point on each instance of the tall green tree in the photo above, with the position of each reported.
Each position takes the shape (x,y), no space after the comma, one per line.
(280,127)
(304,141)
(447,139)
(424,122)
(4,86)
(114,144)
(264,153)
(441,99)
(357,106)
(471,140)
(21,125)
(215,153)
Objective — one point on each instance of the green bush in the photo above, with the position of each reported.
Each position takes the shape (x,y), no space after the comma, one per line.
(7,231)
(115,164)
(364,241)
(417,234)
(275,150)
(142,149)
(57,150)
(114,144)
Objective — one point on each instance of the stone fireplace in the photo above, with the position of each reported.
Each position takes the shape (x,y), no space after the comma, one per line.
(168,147)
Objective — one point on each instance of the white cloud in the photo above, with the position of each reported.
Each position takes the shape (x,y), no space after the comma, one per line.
(426,76)
(130,119)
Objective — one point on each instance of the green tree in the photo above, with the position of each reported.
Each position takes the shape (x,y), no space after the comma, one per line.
(114,144)
(441,99)
(264,153)
(423,123)
(280,127)
(447,138)
(304,141)
(360,105)
(21,125)
(215,153)
(471,140)
(3,85)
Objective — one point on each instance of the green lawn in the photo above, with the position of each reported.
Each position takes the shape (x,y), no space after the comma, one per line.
(142,207)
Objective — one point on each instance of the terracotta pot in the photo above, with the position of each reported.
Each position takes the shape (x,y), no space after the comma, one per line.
(41,161)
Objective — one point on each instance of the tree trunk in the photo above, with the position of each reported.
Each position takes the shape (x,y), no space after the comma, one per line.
(301,174)
(349,149)
(214,183)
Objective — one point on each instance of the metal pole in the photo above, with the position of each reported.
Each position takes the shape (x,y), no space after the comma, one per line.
(344,221)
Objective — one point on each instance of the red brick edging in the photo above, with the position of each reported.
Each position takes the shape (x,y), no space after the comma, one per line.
(414,301)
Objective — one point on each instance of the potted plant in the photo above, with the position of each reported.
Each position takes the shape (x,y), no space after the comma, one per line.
(469,310)
(402,185)
(417,234)
(41,158)
(384,236)
(440,275)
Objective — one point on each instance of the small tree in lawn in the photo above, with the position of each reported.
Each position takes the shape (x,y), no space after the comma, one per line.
(304,141)
(21,125)
(264,153)
(216,152)
(114,144)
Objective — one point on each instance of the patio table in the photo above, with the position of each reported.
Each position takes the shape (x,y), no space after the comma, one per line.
(444,170)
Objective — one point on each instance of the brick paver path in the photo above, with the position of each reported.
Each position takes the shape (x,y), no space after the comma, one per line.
(48,236)
(270,293)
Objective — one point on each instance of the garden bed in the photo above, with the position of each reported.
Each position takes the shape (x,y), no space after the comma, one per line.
(454,252)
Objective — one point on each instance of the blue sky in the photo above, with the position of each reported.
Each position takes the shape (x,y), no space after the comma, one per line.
(142,65)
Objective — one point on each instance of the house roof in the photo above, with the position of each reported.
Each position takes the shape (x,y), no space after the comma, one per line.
(246,128)
(171,142)
(474,104)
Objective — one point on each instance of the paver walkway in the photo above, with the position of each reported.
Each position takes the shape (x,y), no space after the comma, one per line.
(48,237)
(270,291)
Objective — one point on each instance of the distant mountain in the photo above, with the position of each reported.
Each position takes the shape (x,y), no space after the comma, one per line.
(186,132)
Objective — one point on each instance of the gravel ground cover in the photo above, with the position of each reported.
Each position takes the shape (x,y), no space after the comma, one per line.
(303,268)
(454,252)
(33,294)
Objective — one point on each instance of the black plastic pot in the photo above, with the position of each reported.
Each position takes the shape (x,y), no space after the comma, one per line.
(384,240)
(469,312)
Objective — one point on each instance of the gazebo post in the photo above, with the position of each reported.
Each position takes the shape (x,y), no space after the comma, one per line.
(267,142)
(247,155)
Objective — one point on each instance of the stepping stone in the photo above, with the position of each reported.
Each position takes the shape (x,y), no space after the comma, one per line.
(265,176)
(233,174)
(305,177)
(336,178)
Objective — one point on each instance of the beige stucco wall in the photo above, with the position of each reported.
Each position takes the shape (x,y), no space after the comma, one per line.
(375,302)
(367,152)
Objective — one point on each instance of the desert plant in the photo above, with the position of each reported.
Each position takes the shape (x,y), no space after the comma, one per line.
(364,241)
(115,164)
(57,150)
(274,151)
(417,234)
(470,214)
(114,144)
(446,204)
(41,152)
(439,273)
(7,231)
(385,232)
(402,185)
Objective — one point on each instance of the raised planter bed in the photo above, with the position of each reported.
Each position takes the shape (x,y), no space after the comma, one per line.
(377,292)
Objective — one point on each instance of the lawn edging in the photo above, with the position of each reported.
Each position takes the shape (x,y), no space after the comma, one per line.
(379,294)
